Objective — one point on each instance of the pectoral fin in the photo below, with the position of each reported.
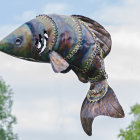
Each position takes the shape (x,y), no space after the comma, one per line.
(57,62)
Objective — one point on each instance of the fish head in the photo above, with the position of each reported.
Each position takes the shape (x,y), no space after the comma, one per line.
(18,43)
(30,41)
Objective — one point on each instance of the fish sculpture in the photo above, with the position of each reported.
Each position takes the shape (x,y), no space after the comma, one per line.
(75,43)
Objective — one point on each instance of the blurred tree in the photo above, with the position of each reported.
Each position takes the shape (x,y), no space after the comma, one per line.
(132,132)
(6,118)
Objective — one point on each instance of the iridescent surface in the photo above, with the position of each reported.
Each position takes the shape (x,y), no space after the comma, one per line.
(70,42)
(9,46)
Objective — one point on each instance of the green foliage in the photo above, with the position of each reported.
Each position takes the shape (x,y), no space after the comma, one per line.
(6,118)
(132,132)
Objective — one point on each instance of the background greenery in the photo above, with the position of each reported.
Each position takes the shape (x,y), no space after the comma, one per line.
(6,118)
(132,132)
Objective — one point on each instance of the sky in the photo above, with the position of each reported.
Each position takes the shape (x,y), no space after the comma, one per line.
(47,105)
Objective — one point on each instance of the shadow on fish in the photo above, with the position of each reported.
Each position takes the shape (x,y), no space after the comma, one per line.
(69,43)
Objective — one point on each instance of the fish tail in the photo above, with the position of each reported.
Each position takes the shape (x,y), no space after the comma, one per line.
(108,105)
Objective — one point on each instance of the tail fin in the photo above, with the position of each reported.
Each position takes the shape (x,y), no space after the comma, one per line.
(108,106)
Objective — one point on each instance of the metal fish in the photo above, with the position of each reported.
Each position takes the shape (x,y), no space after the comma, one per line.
(69,43)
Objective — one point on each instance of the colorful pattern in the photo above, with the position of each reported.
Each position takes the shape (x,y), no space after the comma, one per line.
(70,42)
(77,44)
(51,30)
(98,92)
(70,37)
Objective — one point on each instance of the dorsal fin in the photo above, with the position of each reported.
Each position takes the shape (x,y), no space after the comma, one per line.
(103,37)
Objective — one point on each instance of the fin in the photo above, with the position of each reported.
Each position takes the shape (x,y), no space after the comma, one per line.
(57,62)
(108,106)
(67,70)
(103,36)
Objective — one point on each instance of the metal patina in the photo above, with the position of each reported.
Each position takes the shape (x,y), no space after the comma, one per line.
(98,92)
(75,43)
(51,29)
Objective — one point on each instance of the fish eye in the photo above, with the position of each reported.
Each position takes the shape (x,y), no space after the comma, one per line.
(18,41)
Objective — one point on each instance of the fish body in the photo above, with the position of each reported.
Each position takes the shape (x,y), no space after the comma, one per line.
(69,43)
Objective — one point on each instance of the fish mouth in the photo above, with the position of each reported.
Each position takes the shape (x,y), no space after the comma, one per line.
(4,49)
(3,46)
(28,59)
